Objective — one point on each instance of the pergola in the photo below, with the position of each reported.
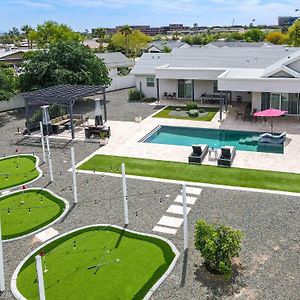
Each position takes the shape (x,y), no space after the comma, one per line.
(63,95)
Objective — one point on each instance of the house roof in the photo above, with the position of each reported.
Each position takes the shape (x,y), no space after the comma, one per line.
(218,58)
(4,55)
(160,45)
(234,44)
(115,59)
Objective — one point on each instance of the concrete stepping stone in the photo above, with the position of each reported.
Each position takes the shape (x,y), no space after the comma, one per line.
(189,199)
(170,221)
(193,190)
(176,209)
(164,230)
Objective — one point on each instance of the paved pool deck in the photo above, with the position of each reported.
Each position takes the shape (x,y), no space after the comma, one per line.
(125,139)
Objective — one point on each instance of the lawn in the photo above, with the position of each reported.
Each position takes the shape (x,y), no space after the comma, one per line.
(196,173)
(98,263)
(27,211)
(17,170)
(165,113)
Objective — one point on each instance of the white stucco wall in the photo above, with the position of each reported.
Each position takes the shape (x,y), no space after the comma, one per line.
(149,92)
(167,86)
(203,86)
(121,82)
(14,103)
(113,72)
(256,101)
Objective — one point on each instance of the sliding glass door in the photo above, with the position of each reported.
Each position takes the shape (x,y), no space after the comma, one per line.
(287,102)
(185,88)
(275,101)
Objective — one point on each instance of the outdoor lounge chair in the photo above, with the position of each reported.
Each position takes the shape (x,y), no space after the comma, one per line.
(226,157)
(269,138)
(198,154)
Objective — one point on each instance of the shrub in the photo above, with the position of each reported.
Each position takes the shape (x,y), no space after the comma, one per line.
(135,95)
(191,105)
(218,244)
(193,113)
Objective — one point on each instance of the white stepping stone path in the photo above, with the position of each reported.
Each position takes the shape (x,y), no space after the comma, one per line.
(176,209)
(189,200)
(169,224)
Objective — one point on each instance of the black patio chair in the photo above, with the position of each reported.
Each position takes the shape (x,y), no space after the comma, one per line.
(198,154)
(226,157)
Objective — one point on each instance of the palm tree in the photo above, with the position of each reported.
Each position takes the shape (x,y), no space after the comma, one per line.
(26,29)
(100,33)
(294,34)
(126,31)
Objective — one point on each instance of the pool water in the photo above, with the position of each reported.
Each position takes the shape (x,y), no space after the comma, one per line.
(188,136)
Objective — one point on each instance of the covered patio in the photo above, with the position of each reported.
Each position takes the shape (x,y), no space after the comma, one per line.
(61,95)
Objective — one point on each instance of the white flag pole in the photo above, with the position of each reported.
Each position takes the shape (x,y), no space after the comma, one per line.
(74,175)
(125,199)
(185,220)
(43,142)
(2,280)
(40,275)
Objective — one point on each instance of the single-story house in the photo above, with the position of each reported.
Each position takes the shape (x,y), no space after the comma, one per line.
(116,62)
(159,46)
(234,44)
(13,57)
(266,77)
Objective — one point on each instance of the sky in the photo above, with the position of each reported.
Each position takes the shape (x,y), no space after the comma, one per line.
(87,14)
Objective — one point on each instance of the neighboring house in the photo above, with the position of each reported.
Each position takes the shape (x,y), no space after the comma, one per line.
(13,57)
(119,67)
(267,77)
(234,44)
(93,44)
(159,46)
(116,62)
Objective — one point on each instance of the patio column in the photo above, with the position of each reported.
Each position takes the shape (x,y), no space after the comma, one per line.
(104,104)
(226,101)
(193,90)
(71,119)
(221,106)
(157,89)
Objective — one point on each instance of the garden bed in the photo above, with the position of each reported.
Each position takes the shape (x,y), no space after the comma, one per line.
(181,112)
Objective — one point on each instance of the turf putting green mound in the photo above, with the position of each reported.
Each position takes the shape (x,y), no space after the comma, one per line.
(97,262)
(17,170)
(26,212)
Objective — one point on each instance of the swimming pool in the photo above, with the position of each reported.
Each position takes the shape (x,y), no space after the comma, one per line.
(216,138)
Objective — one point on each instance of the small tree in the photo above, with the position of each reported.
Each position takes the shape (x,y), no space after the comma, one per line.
(294,34)
(8,82)
(218,244)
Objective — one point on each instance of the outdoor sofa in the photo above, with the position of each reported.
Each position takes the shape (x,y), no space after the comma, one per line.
(226,156)
(59,123)
(272,138)
(198,154)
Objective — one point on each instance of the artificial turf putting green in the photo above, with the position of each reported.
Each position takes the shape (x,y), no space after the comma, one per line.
(17,170)
(165,113)
(39,209)
(249,178)
(142,261)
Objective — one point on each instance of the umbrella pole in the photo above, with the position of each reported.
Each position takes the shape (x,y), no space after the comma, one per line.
(272,125)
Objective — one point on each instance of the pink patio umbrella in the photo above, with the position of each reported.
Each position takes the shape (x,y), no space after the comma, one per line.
(270,113)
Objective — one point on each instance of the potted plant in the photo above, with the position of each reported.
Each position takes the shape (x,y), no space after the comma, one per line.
(219,246)
(103,138)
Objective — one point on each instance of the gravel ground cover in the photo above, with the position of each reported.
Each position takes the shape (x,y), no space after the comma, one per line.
(27,211)
(270,222)
(17,170)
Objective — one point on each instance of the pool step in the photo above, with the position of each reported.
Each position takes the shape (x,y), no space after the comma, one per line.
(242,141)
(249,141)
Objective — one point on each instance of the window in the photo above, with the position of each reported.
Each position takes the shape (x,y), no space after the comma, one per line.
(216,86)
(185,88)
(150,81)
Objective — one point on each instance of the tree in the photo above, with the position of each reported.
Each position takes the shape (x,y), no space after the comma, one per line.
(218,244)
(126,31)
(100,33)
(166,49)
(276,37)
(135,42)
(67,62)
(175,36)
(51,32)
(254,35)
(8,82)
(26,29)
(294,34)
